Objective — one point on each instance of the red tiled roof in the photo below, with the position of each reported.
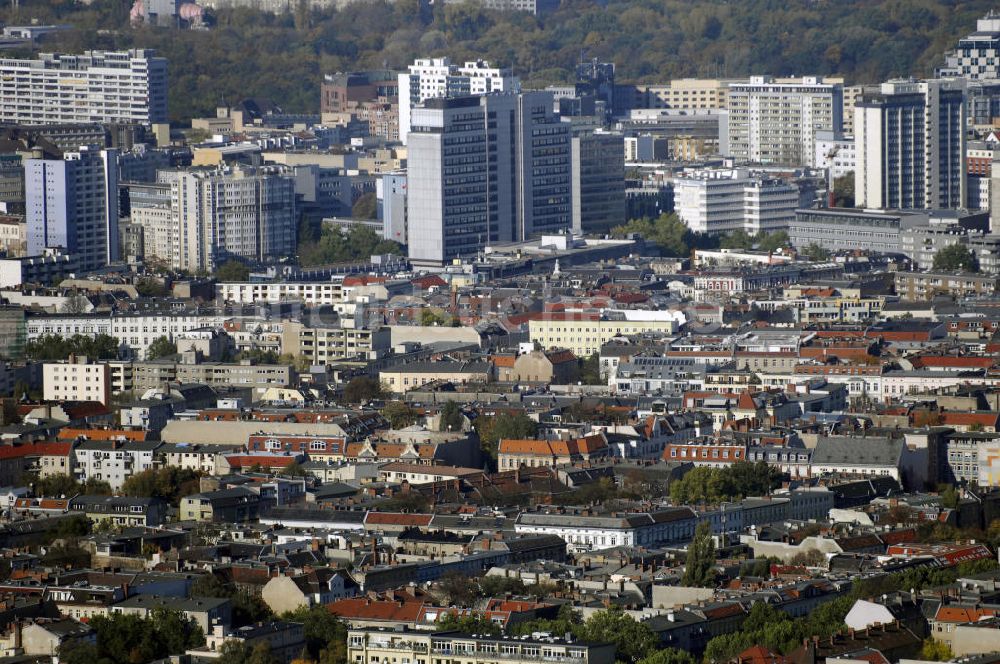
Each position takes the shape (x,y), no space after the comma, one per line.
(953,361)
(760,655)
(363,280)
(429,281)
(398,519)
(962,614)
(966,419)
(40,448)
(503,360)
(361,608)
(561,356)
(585,445)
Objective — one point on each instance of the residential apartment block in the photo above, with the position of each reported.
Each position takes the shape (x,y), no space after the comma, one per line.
(113,461)
(585,333)
(439,78)
(97,86)
(77,379)
(774,122)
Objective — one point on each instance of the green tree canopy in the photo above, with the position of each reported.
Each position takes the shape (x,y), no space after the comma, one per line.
(713,485)
(169,483)
(843,191)
(738,239)
(590,370)
(956,257)
(55,347)
(493,428)
(451,417)
(160,347)
(815,252)
(468,624)
(232,270)
(363,388)
(699,565)
(124,638)
(336,246)
(399,414)
(772,241)
(366,207)
(667,231)
(633,640)
(326,635)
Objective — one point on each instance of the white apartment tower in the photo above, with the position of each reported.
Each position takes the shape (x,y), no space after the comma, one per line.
(97,86)
(485,169)
(910,146)
(722,201)
(774,122)
(72,203)
(437,77)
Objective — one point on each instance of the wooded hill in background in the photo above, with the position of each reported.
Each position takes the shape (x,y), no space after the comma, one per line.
(253,54)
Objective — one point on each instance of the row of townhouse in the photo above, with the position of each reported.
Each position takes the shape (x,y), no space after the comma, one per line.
(584,530)
(135,332)
(875,381)
(866,457)
(318,342)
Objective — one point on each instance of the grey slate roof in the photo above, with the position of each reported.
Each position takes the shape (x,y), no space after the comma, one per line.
(869,451)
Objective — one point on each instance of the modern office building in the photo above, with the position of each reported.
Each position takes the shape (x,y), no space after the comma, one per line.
(598,186)
(844,229)
(438,77)
(681,93)
(976,57)
(723,201)
(97,86)
(910,146)
(982,99)
(72,203)
(485,169)
(773,122)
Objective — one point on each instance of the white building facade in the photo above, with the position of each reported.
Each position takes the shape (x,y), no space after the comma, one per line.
(97,86)
(432,78)
(774,122)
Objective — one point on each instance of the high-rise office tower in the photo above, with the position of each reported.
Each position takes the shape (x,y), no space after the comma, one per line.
(773,122)
(485,169)
(910,146)
(72,203)
(598,168)
(98,86)
(438,77)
